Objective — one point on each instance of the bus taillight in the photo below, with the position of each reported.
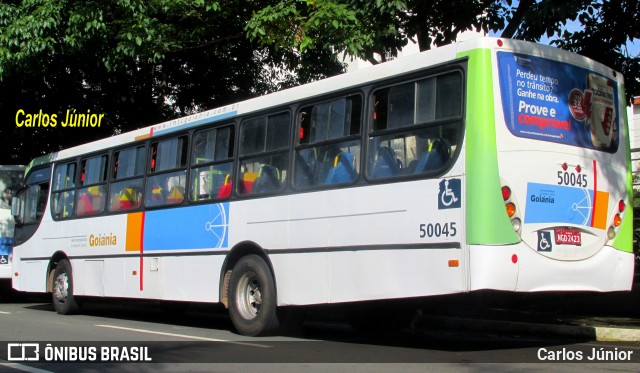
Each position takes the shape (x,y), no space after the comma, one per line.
(511,207)
(506,192)
(617,220)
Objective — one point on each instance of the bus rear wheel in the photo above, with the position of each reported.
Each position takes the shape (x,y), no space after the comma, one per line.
(252,297)
(64,301)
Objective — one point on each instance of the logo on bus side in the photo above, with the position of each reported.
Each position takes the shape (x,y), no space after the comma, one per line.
(449,196)
(544,241)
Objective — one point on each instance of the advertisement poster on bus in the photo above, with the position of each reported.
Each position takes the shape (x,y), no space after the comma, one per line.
(558,102)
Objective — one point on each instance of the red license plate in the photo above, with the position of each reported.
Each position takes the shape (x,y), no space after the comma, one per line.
(568,237)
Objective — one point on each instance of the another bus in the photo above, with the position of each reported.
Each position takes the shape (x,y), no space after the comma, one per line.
(486,164)
(10,182)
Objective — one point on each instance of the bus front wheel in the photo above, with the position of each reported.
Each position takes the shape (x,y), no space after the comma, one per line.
(252,297)
(62,293)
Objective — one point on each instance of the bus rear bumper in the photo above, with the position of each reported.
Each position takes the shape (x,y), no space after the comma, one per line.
(519,268)
(5,271)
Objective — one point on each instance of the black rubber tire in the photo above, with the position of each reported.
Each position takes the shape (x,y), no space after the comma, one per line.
(64,302)
(252,297)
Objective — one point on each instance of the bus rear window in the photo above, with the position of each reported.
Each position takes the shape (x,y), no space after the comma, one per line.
(557,102)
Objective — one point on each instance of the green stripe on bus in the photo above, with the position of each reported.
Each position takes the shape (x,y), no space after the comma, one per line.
(624,239)
(486,220)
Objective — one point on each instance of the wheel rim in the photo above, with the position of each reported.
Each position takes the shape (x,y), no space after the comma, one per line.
(61,288)
(249,296)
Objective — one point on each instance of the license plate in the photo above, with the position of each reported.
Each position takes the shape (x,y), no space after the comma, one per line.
(568,237)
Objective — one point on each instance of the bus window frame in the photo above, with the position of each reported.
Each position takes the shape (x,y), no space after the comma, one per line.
(150,174)
(240,157)
(25,230)
(460,67)
(299,146)
(111,177)
(82,188)
(231,160)
(54,192)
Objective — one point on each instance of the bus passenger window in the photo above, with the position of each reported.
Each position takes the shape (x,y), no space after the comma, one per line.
(167,183)
(93,188)
(166,189)
(128,171)
(264,156)
(329,146)
(211,163)
(63,191)
(415,127)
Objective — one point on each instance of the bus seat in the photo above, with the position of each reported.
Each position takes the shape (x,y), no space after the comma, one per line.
(128,200)
(85,205)
(209,183)
(434,158)
(176,195)
(156,195)
(343,170)
(305,169)
(386,164)
(268,179)
(247,180)
(97,198)
(91,201)
(225,189)
(216,182)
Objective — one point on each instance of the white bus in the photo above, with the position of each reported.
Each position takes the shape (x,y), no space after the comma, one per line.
(10,182)
(486,164)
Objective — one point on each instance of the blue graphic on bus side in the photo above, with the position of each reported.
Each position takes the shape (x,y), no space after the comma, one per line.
(558,102)
(6,244)
(547,203)
(544,241)
(449,195)
(195,227)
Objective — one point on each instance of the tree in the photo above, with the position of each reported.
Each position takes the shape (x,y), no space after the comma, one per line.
(142,62)
(369,29)
(139,62)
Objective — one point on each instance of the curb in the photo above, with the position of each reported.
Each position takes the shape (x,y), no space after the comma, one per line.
(597,333)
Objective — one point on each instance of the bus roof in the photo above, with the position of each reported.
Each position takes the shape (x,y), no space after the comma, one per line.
(354,79)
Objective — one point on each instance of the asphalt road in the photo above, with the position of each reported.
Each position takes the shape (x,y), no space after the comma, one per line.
(203,339)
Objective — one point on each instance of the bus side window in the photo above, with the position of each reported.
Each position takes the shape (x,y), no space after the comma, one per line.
(415,126)
(211,163)
(329,149)
(63,190)
(264,156)
(167,182)
(127,179)
(93,188)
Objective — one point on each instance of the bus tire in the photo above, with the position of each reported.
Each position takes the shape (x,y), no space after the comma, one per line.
(64,301)
(252,297)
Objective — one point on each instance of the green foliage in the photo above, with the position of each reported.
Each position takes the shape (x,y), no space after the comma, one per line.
(357,28)
(141,62)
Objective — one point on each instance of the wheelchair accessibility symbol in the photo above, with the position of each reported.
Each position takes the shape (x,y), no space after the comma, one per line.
(449,196)
(544,241)
(4,259)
